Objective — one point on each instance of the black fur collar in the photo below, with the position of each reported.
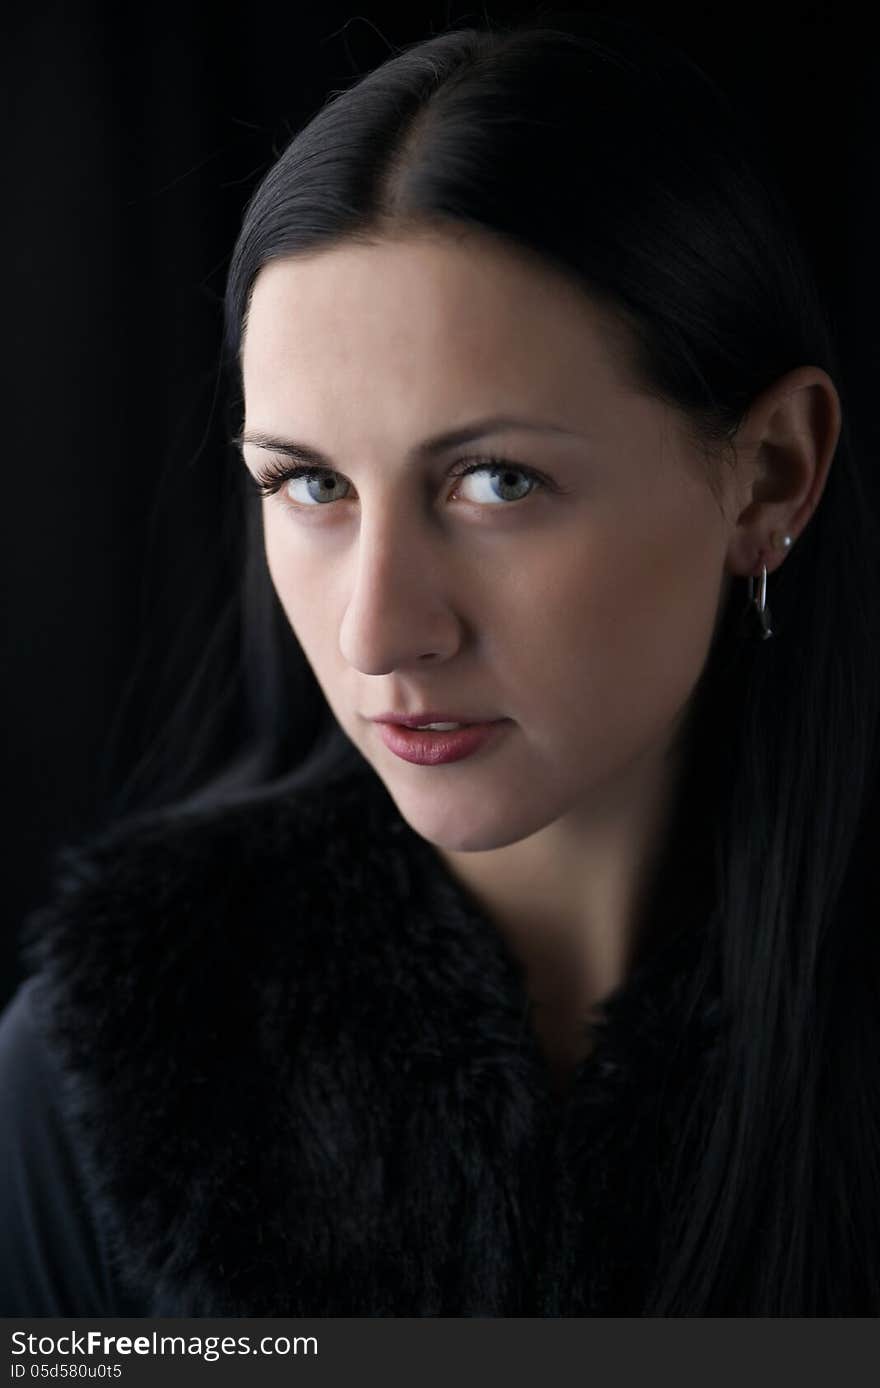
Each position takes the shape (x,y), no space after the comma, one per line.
(301,1065)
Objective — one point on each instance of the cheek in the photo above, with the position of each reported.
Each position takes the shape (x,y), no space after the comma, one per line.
(615,638)
(281,571)
(296,581)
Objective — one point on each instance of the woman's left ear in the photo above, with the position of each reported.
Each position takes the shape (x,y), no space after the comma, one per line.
(785,447)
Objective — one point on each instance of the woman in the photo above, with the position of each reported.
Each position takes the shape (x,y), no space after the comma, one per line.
(573,1012)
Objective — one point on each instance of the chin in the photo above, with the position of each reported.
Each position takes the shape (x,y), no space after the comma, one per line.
(461,822)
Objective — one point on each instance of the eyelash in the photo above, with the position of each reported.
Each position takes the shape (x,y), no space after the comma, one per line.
(273,476)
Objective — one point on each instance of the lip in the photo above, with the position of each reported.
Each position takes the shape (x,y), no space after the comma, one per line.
(413,720)
(437,748)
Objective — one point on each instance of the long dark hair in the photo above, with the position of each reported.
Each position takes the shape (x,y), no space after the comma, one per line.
(598,147)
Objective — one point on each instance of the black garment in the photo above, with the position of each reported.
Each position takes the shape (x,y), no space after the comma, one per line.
(273,1060)
(54,1259)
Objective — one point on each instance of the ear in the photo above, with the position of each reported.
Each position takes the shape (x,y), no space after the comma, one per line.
(784,449)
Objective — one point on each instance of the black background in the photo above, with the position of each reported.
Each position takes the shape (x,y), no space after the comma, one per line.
(133,137)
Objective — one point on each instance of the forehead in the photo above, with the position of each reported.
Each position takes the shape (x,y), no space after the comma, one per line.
(431,312)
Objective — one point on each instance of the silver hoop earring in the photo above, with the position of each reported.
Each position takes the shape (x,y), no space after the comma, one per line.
(757,608)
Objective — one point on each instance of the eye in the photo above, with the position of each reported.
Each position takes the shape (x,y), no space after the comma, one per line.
(504,474)
(318,487)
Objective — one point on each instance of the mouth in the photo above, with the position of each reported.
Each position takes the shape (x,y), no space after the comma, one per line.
(431,718)
(437,746)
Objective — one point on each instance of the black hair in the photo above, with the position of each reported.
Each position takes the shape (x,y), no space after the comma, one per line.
(601,149)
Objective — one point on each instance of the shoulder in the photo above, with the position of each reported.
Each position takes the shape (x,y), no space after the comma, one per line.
(166,940)
(55,1262)
(25,1069)
(184,971)
(190,914)
(204,878)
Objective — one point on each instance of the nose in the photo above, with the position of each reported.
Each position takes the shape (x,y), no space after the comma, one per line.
(399,611)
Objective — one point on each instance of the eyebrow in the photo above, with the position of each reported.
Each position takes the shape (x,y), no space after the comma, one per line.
(428,448)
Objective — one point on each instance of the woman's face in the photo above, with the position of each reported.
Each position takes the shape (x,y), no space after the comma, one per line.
(574,592)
